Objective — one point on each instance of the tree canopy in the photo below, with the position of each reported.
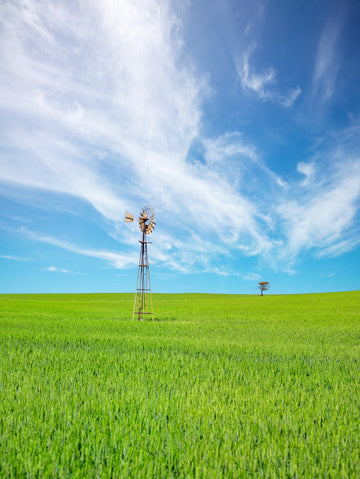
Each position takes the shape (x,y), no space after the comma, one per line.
(263,286)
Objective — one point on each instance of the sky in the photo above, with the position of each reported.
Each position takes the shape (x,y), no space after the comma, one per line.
(237,121)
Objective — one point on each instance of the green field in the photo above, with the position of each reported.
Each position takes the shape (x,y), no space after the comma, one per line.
(218,386)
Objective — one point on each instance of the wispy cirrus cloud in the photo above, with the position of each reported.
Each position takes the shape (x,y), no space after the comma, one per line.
(116,128)
(255,82)
(77,114)
(290,98)
(338,248)
(179,255)
(251,276)
(262,84)
(323,219)
(54,269)
(118,260)
(308,170)
(327,61)
(108,126)
(13,258)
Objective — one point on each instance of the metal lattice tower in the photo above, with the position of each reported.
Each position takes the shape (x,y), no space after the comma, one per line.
(143,300)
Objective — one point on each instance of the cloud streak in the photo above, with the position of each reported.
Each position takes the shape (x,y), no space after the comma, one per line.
(108,126)
(54,269)
(117,260)
(324,219)
(13,258)
(327,61)
(262,84)
(117,128)
(256,82)
(72,115)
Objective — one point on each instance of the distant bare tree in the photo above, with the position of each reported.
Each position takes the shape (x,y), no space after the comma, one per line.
(263,286)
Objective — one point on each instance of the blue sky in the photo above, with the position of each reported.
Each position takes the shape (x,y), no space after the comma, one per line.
(238,121)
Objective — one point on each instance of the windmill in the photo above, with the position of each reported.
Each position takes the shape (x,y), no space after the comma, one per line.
(143,300)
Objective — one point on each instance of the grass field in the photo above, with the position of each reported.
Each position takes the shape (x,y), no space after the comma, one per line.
(218,386)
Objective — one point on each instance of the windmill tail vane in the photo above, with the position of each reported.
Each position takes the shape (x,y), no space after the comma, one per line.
(129,218)
(143,307)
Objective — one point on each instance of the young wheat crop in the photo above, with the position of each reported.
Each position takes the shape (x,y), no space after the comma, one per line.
(217,386)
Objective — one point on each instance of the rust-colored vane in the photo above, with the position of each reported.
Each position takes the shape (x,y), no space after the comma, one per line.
(129,218)
(146,219)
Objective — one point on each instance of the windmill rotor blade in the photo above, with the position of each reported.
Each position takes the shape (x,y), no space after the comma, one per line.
(146,219)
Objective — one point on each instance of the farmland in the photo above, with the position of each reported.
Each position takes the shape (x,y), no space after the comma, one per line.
(217,386)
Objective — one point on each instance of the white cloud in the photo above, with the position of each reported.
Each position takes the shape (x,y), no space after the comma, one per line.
(291,97)
(255,82)
(251,276)
(327,59)
(114,127)
(308,170)
(54,269)
(99,102)
(329,275)
(263,84)
(227,146)
(339,248)
(13,258)
(71,114)
(324,219)
(118,260)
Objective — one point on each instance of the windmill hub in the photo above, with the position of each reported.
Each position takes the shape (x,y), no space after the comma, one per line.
(147,220)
